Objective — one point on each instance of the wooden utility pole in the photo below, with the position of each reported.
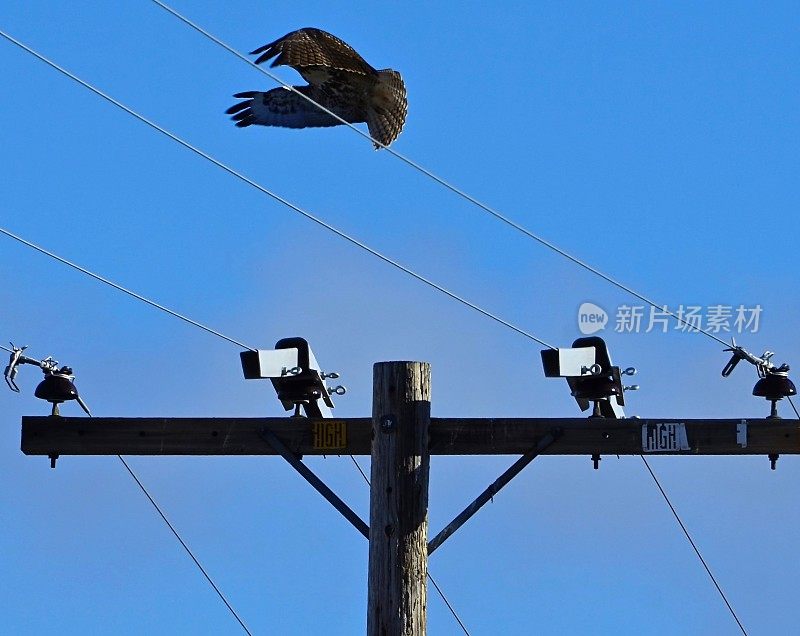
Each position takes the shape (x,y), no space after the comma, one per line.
(398,538)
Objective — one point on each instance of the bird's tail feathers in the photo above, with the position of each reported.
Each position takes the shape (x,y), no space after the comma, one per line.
(388,108)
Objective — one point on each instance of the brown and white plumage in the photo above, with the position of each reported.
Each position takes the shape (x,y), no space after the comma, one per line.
(338,79)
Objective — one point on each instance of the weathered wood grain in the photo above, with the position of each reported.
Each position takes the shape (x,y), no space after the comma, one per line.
(398,541)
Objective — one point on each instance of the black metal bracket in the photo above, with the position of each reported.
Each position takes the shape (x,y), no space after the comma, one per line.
(270,438)
(493,489)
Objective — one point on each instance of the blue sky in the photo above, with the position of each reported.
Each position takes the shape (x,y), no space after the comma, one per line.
(657,141)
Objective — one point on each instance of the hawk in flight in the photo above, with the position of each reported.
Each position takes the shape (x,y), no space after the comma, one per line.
(338,79)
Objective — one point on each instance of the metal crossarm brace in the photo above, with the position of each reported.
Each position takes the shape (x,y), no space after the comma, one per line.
(493,489)
(315,481)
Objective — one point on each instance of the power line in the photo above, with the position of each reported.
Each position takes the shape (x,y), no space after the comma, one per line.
(694,546)
(450,607)
(793,406)
(273,195)
(360,470)
(446,184)
(185,547)
(111,283)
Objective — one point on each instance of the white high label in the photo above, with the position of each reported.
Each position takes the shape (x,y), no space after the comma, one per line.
(663,437)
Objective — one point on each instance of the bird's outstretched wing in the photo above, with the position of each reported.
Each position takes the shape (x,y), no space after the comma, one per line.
(310,47)
(285,108)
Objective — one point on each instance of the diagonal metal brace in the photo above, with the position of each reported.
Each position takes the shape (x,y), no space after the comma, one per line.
(493,489)
(270,438)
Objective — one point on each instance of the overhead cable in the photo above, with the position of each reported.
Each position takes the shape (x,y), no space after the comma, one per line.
(118,287)
(185,547)
(694,546)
